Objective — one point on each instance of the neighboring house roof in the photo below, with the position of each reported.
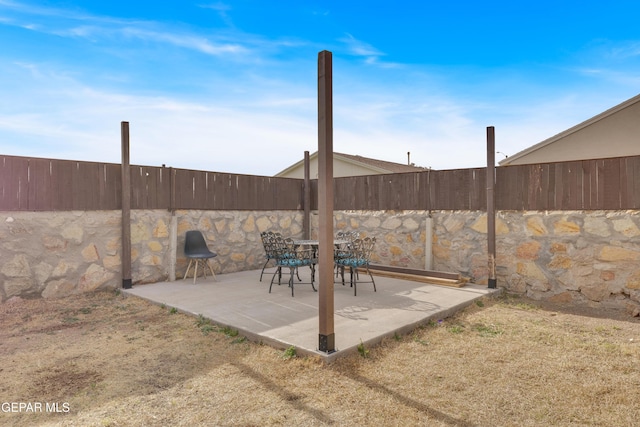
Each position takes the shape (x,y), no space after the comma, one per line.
(613,133)
(381,165)
(364,165)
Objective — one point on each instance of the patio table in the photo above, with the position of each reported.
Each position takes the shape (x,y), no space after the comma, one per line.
(316,243)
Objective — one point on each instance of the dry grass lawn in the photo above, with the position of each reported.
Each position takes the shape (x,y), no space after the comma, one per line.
(107,360)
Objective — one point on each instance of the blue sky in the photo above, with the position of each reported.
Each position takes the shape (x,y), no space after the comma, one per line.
(231,86)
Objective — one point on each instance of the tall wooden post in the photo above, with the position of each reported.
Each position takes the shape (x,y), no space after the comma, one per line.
(325,203)
(306,223)
(173,225)
(126,207)
(491,208)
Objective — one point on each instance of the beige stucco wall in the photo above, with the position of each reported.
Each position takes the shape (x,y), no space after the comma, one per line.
(616,135)
(574,257)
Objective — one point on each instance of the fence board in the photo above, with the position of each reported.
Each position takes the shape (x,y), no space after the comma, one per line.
(590,172)
(535,185)
(632,165)
(507,193)
(459,180)
(479,193)
(183,188)
(569,184)
(40,194)
(15,183)
(111,186)
(424,201)
(442,190)
(375,191)
(612,183)
(580,192)
(247,197)
(229,192)
(61,185)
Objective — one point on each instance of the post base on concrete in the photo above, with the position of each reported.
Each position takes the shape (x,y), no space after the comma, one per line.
(493,283)
(327,343)
(126,284)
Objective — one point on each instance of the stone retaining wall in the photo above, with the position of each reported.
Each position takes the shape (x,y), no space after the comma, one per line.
(54,254)
(590,258)
(576,257)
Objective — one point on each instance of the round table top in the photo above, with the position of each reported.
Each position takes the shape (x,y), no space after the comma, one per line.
(317,242)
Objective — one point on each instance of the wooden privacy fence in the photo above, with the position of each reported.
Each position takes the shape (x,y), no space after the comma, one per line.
(601,184)
(34,184)
(459,189)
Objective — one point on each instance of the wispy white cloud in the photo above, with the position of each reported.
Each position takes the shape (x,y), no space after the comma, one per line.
(371,55)
(219,6)
(359,48)
(22,11)
(164,129)
(71,23)
(222,9)
(440,130)
(626,50)
(197,43)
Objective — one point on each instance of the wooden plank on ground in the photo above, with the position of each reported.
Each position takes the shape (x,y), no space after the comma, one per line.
(416,275)
(416,271)
(417,278)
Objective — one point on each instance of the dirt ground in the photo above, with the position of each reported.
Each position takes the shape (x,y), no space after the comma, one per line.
(105,360)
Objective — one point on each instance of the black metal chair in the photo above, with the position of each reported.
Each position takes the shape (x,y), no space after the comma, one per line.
(355,257)
(269,250)
(342,250)
(197,251)
(293,257)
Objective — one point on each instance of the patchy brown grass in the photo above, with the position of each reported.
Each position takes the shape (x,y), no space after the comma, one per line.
(114,361)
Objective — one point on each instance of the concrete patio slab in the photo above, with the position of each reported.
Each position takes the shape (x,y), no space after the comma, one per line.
(240,301)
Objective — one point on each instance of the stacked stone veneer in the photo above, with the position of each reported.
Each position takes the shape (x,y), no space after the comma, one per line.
(569,257)
(54,254)
(590,258)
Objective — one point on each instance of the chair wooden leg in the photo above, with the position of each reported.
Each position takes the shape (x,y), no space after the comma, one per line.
(213,274)
(188,267)
(195,271)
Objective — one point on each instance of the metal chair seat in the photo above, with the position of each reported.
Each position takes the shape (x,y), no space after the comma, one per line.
(269,249)
(288,255)
(357,255)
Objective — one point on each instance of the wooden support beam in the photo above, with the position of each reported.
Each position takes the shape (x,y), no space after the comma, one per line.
(306,223)
(491,206)
(326,334)
(126,207)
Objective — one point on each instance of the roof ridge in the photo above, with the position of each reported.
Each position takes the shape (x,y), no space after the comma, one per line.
(378,162)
